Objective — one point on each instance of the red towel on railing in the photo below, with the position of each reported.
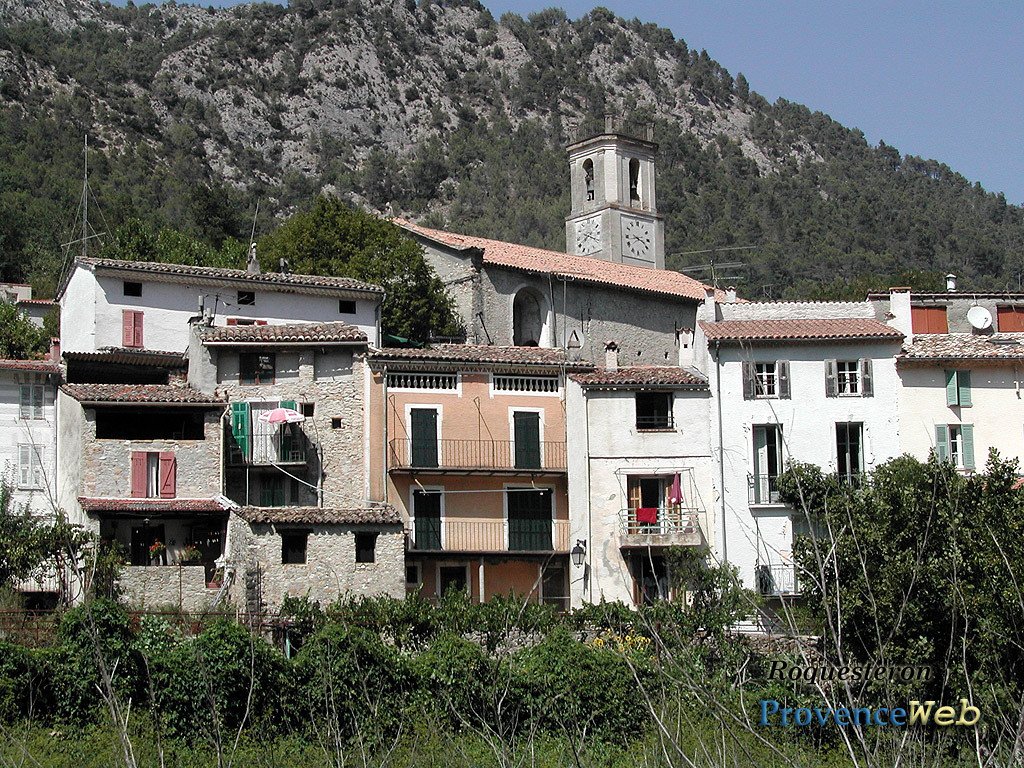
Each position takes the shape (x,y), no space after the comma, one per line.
(647,515)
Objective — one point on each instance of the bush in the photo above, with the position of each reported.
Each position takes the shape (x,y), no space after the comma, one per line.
(452,678)
(23,689)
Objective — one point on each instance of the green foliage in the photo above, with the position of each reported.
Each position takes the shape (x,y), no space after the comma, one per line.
(19,338)
(335,239)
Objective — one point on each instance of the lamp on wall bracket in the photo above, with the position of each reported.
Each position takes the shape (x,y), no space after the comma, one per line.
(579,552)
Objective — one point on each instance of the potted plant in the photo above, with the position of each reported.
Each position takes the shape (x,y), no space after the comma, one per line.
(157,550)
(191,555)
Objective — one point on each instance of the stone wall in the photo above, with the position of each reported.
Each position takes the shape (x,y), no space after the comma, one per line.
(163,586)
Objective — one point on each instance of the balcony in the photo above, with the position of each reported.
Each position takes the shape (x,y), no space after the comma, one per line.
(433,535)
(660,527)
(465,456)
(762,490)
(777,580)
(286,445)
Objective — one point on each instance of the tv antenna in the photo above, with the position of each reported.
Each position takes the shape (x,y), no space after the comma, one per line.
(713,269)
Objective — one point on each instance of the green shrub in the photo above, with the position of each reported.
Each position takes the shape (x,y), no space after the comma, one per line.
(452,679)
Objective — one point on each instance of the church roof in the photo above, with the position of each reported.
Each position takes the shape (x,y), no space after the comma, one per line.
(585,269)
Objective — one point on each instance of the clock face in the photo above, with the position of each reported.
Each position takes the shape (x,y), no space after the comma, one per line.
(588,236)
(637,239)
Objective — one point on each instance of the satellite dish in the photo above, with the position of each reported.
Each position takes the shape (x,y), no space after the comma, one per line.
(979,318)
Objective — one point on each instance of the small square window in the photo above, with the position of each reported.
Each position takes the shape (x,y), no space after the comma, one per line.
(765,381)
(293,547)
(653,410)
(246,298)
(346,307)
(306,409)
(366,547)
(132,289)
(413,575)
(336,422)
(256,368)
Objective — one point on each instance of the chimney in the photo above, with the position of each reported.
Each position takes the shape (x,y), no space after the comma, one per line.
(252,266)
(730,295)
(611,356)
(951,283)
(899,308)
(55,349)
(283,266)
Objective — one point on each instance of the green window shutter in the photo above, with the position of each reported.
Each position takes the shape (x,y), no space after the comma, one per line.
(963,387)
(760,448)
(967,444)
(240,426)
(952,397)
(529,520)
(424,437)
(942,442)
(427,512)
(527,439)
(290,404)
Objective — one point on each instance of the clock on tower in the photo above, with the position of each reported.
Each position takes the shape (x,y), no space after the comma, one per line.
(588,236)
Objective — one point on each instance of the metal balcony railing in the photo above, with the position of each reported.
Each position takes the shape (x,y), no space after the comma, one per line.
(676,521)
(433,535)
(477,454)
(777,579)
(762,490)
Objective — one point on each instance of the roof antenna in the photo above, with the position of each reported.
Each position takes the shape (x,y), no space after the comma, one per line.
(253,266)
(85,201)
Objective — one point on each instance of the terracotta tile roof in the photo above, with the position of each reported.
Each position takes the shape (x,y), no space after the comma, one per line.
(269,279)
(139,393)
(640,376)
(150,506)
(478,353)
(40,302)
(40,366)
(127,356)
(965,346)
(284,334)
(384,514)
(835,329)
(583,268)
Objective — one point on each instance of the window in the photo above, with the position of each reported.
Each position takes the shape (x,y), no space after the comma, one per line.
(850,450)
(928,320)
(653,410)
(32,401)
(766,380)
(424,446)
(131,328)
(529,519)
(958,388)
(153,474)
(366,547)
(955,443)
(526,438)
(335,422)
(767,464)
(246,298)
(30,466)
(588,178)
(634,180)
(306,409)
(452,578)
(149,424)
(848,378)
(413,576)
(256,368)
(346,307)
(647,498)
(293,547)
(131,289)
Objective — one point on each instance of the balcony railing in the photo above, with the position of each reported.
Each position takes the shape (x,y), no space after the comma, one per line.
(284,445)
(505,455)
(660,526)
(762,490)
(432,535)
(777,579)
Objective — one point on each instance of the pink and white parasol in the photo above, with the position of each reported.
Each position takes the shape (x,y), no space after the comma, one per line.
(281,416)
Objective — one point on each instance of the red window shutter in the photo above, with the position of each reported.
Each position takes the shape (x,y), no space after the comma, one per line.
(261,322)
(232,321)
(138,330)
(138,474)
(127,328)
(168,472)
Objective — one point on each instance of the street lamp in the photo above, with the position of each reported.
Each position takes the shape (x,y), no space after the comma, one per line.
(579,552)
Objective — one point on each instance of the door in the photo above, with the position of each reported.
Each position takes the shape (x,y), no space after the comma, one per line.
(427,514)
(451,577)
(650,578)
(646,503)
(526,433)
(208,539)
(142,538)
(529,520)
(424,437)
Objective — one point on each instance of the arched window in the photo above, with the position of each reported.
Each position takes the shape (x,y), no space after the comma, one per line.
(529,318)
(588,178)
(634,180)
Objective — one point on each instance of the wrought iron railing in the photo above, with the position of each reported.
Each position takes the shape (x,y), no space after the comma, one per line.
(660,521)
(777,579)
(433,535)
(762,489)
(478,454)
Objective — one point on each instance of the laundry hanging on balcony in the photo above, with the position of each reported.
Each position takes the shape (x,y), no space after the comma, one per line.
(675,491)
(281,416)
(647,515)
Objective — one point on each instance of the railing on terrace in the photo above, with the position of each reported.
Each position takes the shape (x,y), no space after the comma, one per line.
(528,535)
(777,579)
(676,521)
(478,454)
(762,489)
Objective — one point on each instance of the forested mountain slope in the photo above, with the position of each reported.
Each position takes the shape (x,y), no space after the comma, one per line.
(438,111)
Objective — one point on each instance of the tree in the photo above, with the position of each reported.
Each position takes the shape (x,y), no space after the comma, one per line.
(19,338)
(332,238)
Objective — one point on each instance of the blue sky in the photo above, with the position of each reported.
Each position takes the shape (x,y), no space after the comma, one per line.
(940,79)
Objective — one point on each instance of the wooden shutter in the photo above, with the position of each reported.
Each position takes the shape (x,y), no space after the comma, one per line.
(782,372)
(526,426)
(138,474)
(942,442)
(427,511)
(867,386)
(137,341)
(127,328)
(967,445)
(749,385)
(831,378)
(168,474)
(928,320)
(963,388)
(1010,319)
(424,437)
(529,520)
(240,426)
(952,397)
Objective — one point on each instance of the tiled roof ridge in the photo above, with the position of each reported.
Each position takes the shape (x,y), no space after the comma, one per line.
(374,514)
(139,393)
(328,330)
(16,364)
(492,354)
(778,329)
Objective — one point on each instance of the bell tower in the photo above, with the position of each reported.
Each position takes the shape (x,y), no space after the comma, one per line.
(614,213)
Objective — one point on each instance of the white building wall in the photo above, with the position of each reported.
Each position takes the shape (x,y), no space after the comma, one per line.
(996,410)
(763,533)
(40,433)
(78,313)
(601,457)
